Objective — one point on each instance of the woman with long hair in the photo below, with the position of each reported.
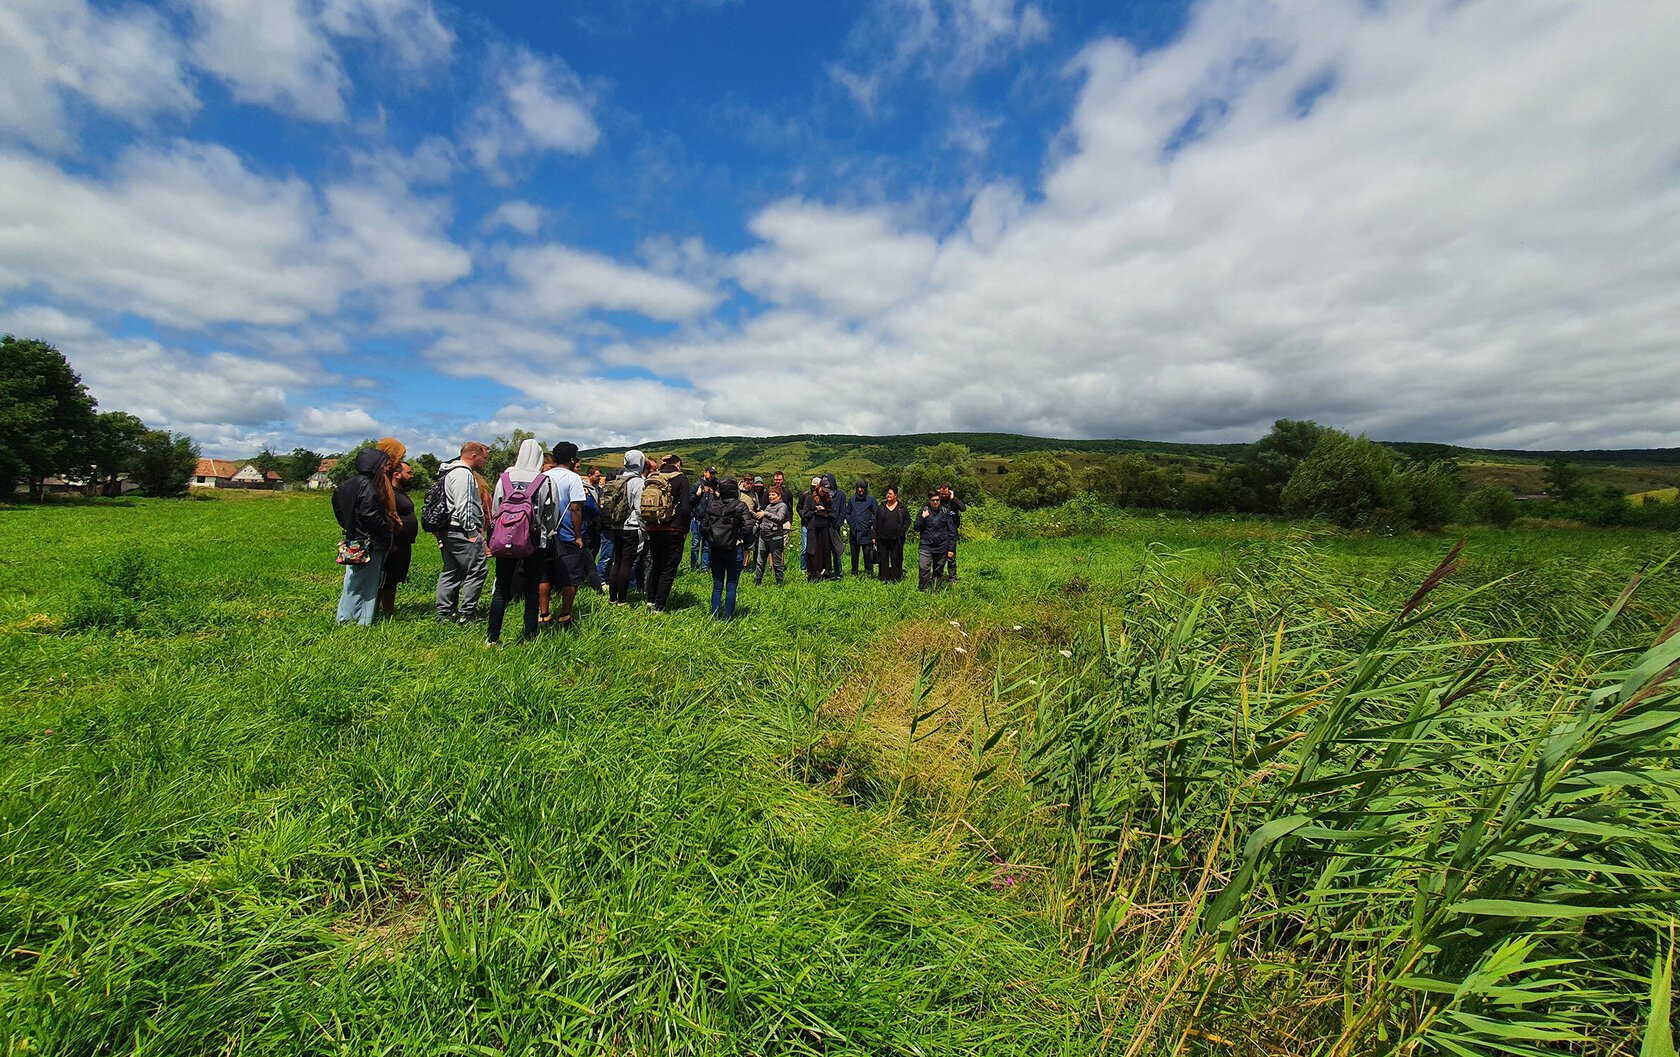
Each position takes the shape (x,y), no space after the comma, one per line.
(366,509)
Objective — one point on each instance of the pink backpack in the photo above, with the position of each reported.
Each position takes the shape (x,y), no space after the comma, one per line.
(513,533)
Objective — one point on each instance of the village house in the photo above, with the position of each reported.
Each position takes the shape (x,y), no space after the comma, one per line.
(214,473)
(319,478)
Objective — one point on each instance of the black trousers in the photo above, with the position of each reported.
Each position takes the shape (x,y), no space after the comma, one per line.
(665,552)
(516,578)
(868,552)
(891,555)
(818,567)
(625,545)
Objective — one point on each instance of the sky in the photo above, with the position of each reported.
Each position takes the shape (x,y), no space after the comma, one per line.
(291,223)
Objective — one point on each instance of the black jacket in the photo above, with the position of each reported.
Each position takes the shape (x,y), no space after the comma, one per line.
(410,530)
(861,515)
(728,513)
(356,502)
(938,529)
(809,515)
(892,524)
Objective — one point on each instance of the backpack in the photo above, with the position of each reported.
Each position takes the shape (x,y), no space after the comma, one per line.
(434,509)
(513,534)
(720,527)
(615,503)
(659,499)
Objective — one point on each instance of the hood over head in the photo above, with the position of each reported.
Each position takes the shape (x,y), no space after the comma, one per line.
(635,460)
(729,488)
(393,448)
(530,458)
(860,483)
(370,461)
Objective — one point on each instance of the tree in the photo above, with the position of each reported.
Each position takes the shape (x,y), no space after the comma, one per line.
(266,462)
(345,467)
(164,462)
(111,449)
(1432,493)
(1256,481)
(46,414)
(300,465)
(503,451)
(426,462)
(1134,481)
(1492,505)
(1038,479)
(1563,481)
(945,463)
(1347,480)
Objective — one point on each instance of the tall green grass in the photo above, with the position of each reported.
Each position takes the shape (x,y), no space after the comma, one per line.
(227,826)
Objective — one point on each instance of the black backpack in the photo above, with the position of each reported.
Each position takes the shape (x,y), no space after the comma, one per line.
(720,526)
(434,509)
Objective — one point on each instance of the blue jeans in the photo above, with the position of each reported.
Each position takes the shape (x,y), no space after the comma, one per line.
(699,551)
(804,549)
(726,576)
(361,590)
(604,561)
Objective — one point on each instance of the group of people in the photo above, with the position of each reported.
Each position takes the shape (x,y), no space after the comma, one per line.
(552,530)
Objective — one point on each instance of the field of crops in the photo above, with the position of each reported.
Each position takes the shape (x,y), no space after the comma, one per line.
(1220,787)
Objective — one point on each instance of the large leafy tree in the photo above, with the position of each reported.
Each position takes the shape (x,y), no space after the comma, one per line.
(945,463)
(1038,479)
(1348,480)
(46,414)
(111,449)
(1134,481)
(1256,481)
(300,465)
(164,462)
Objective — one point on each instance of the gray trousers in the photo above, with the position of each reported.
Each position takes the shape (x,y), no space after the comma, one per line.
(934,567)
(462,579)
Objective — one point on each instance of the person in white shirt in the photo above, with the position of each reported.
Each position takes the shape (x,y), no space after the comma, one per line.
(570,568)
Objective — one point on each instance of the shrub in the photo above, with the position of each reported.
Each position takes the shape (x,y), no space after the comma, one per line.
(130,588)
(1492,505)
(1347,480)
(1431,494)
(1039,479)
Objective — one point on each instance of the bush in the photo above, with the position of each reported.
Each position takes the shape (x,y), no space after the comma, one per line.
(130,590)
(1431,494)
(1492,505)
(1134,481)
(1038,479)
(1349,481)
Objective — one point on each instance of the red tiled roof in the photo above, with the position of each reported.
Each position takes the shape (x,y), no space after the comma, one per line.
(271,476)
(222,468)
(327,464)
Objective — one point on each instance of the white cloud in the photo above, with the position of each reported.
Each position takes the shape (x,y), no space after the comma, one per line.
(851,261)
(1443,220)
(557,282)
(394,238)
(344,423)
(945,41)
(408,30)
(523,217)
(536,105)
(125,62)
(271,52)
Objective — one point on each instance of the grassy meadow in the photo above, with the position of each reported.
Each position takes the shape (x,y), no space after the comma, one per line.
(1206,787)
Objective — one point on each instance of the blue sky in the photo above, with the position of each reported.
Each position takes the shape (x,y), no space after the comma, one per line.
(284,222)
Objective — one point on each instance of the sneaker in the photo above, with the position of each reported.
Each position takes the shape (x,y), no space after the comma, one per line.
(492,645)
(650,608)
(464,619)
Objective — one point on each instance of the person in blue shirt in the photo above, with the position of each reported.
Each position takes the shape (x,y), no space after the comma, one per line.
(859,512)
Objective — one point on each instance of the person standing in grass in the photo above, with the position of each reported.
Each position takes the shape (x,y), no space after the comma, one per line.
(367,512)
(728,525)
(398,562)
(699,554)
(571,566)
(816,516)
(622,504)
(666,532)
(836,543)
(861,512)
(466,559)
(525,484)
(774,521)
(937,528)
(750,498)
(892,525)
(955,507)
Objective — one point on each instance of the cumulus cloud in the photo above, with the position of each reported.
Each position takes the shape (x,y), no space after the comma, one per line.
(557,282)
(853,262)
(407,30)
(1442,220)
(536,104)
(271,52)
(125,62)
(523,217)
(189,236)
